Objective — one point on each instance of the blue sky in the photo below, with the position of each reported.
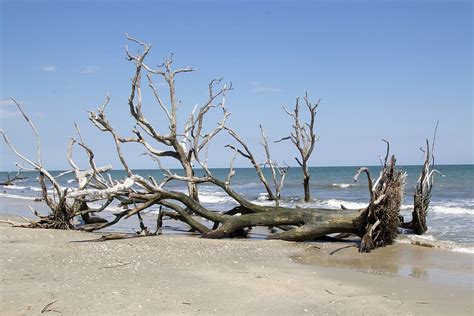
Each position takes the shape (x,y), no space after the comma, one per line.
(383,69)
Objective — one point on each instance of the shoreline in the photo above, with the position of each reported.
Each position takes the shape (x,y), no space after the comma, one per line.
(172,274)
(14,206)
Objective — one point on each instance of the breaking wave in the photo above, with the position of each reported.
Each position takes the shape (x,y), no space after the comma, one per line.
(16,187)
(333,203)
(19,197)
(431,242)
(343,185)
(214,197)
(452,208)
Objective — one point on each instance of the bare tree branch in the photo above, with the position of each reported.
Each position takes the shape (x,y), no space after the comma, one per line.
(303,137)
(248,155)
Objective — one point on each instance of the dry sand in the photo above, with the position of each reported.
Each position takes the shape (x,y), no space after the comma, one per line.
(187,275)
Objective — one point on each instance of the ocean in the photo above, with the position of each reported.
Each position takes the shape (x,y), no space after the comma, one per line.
(450,218)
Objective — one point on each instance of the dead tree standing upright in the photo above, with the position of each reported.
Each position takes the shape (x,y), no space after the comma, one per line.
(174,141)
(303,138)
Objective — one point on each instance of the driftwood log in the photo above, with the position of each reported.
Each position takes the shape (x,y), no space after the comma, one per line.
(11,180)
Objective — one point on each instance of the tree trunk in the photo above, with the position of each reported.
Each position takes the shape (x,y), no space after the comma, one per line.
(306,176)
(192,187)
(311,223)
(307,194)
(420,209)
(422,195)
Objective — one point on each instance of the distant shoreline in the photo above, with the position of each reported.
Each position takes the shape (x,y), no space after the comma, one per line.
(250,167)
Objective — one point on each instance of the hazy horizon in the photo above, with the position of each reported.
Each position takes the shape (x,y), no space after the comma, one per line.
(250,167)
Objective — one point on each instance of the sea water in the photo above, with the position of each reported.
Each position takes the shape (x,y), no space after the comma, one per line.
(450,218)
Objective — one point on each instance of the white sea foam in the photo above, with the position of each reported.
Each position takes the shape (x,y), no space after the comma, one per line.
(14,196)
(444,208)
(110,208)
(343,185)
(463,249)
(431,242)
(262,197)
(15,187)
(18,187)
(246,185)
(71,180)
(333,203)
(214,197)
(94,204)
(211,199)
(114,209)
(451,209)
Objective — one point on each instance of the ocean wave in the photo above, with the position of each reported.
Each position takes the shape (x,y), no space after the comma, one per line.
(431,242)
(15,187)
(263,197)
(333,203)
(446,209)
(214,197)
(114,208)
(246,185)
(342,185)
(71,180)
(19,197)
(23,188)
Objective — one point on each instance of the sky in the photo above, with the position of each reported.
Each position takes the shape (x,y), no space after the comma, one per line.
(383,69)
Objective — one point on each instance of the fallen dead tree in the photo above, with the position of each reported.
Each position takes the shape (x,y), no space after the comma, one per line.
(11,180)
(377,224)
(63,210)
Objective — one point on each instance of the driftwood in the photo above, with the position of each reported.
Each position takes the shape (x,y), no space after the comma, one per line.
(11,180)
(423,189)
(377,224)
(62,211)
(181,145)
(277,171)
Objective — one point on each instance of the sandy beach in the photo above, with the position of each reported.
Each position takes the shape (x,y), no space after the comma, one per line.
(172,274)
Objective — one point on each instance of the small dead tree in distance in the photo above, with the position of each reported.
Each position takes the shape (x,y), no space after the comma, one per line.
(304,139)
(277,171)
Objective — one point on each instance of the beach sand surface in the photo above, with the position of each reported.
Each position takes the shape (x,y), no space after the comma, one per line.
(65,272)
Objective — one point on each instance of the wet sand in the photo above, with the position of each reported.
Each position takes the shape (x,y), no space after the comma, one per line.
(172,274)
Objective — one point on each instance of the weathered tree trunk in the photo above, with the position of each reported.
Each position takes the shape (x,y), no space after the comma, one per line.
(420,210)
(310,223)
(422,194)
(192,187)
(304,138)
(306,176)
